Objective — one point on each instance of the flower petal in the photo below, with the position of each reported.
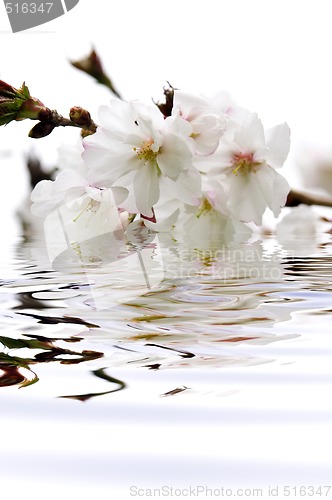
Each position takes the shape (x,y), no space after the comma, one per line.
(250,134)
(146,188)
(249,195)
(278,141)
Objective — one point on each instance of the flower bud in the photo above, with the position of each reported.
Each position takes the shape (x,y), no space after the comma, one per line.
(80,116)
(18,104)
(92,65)
(42,129)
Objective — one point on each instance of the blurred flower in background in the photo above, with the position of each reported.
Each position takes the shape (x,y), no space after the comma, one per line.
(314,167)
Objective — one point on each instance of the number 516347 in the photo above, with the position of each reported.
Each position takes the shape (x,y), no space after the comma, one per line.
(29,8)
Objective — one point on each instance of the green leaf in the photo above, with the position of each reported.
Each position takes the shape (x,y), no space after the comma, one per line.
(25,91)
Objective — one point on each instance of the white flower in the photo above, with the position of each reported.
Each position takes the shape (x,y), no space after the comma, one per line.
(135,145)
(207,125)
(76,211)
(70,186)
(244,165)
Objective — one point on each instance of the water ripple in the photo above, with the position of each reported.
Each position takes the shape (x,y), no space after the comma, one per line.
(216,310)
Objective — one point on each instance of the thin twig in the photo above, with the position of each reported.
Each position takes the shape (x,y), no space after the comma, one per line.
(79,118)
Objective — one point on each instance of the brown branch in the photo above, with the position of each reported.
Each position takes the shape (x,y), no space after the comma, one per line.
(18,104)
(296,198)
(49,120)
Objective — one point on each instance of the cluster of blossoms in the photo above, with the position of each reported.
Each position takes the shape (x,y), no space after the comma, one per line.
(210,164)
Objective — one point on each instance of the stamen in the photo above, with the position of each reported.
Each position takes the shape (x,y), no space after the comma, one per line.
(92,206)
(244,163)
(205,206)
(145,152)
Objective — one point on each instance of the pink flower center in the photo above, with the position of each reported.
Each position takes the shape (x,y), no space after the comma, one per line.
(244,163)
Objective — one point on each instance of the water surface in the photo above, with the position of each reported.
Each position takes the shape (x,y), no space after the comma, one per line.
(218,373)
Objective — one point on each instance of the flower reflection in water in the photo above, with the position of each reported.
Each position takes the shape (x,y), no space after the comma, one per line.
(206,303)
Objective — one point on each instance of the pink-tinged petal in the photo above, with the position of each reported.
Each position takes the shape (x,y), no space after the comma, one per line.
(146,188)
(278,142)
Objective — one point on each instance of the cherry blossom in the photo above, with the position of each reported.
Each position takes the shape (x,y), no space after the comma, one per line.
(207,124)
(70,186)
(244,166)
(200,174)
(136,144)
